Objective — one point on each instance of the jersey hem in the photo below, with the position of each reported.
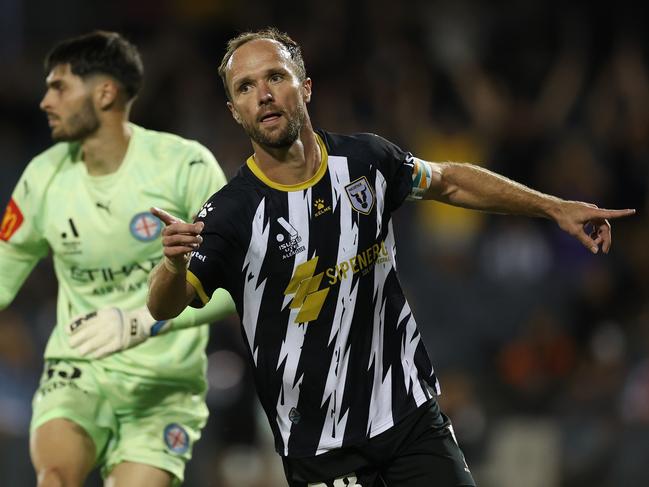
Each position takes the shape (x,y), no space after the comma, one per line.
(358,440)
(198,286)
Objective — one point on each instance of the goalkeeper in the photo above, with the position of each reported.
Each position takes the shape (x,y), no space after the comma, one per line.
(136,413)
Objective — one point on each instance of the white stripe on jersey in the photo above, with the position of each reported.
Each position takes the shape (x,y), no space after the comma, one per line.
(299,204)
(380,417)
(380,186)
(253,291)
(335,424)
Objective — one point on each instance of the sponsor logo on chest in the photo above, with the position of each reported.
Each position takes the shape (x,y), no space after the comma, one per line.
(288,239)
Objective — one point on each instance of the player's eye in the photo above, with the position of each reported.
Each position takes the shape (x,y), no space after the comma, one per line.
(276,78)
(244,87)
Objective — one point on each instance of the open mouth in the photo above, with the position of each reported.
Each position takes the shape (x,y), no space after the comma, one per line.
(270,117)
(52,119)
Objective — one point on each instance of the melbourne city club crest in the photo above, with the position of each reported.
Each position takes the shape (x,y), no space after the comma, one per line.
(360,195)
(176,438)
(145,227)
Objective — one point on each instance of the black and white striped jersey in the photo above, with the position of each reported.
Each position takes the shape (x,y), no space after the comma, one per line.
(336,353)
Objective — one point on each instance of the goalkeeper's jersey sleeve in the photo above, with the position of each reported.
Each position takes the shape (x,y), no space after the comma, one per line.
(22,243)
(105,241)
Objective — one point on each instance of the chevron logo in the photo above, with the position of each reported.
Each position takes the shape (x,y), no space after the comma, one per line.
(304,285)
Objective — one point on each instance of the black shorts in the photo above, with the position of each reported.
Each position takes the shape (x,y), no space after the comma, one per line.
(420,451)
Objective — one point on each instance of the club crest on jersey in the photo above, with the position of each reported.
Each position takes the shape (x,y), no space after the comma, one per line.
(11,221)
(176,438)
(145,227)
(360,195)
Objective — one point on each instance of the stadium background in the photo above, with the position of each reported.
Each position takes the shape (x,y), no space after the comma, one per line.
(542,349)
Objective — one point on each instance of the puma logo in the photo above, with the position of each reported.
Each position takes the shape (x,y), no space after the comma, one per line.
(102,206)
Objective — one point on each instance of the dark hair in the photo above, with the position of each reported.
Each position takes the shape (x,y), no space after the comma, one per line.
(271,33)
(100,52)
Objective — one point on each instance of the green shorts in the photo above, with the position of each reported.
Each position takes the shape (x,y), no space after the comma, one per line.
(129,418)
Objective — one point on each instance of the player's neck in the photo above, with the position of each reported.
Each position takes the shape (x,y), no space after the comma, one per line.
(290,165)
(103,152)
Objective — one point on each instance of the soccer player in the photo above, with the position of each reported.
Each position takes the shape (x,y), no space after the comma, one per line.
(138,412)
(303,242)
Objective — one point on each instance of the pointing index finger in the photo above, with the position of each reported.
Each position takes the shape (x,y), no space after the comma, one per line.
(604,213)
(166,218)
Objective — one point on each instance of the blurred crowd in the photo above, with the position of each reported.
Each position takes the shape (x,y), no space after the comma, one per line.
(542,349)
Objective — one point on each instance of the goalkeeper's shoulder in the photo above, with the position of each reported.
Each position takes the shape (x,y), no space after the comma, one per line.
(177,149)
(40,171)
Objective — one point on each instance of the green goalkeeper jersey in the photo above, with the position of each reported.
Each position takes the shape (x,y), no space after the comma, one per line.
(104,240)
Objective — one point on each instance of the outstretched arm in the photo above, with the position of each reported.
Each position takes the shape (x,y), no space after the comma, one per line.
(477,188)
(169,291)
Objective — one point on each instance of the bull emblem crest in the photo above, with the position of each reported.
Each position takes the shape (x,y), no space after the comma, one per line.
(360,195)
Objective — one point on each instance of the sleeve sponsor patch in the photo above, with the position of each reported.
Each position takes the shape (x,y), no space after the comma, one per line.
(11,221)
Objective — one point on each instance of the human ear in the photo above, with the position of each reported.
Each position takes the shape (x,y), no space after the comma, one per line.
(105,94)
(234,113)
(307,84)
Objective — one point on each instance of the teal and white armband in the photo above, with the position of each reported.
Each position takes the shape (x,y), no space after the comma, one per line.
(422,178)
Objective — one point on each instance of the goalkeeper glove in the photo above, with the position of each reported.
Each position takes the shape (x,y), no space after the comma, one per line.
(109,330)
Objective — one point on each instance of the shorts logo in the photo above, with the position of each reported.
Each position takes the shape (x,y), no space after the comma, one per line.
(360,195)
(176,438)
(59,375)
(145,227)
(11,221)
(349,480)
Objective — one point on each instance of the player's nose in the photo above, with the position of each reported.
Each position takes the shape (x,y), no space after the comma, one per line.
(265,94)
(45,103)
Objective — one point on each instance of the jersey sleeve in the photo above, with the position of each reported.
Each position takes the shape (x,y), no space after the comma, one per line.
(211,263)
(201,176)
(395,166)
(22,244)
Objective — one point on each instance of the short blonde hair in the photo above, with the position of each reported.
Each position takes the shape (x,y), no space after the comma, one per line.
(271,33)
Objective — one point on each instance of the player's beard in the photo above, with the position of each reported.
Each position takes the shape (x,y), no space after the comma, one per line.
(283,138)
(79,125)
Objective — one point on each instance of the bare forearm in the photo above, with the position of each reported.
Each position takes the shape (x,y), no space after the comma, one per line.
(477,188)
(168,293)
